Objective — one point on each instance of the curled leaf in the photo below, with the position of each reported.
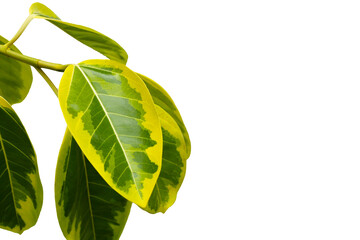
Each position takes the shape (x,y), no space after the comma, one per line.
(91,38)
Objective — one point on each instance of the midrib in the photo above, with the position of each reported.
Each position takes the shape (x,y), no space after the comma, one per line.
(112,126)
(10,180)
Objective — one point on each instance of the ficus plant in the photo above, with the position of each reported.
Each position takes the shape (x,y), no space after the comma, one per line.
(125,140)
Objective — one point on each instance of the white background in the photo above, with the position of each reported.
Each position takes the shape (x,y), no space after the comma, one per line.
(270,94)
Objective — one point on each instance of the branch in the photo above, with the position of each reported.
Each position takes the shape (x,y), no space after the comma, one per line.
(37,63)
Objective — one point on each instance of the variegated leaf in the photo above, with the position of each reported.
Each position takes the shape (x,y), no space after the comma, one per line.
(111,114)
(173,165)
(85,35)
(163,100)
(15,77)
(87,207)
(20,189)
(176,149)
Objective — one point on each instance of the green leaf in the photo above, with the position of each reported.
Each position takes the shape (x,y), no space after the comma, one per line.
(15,77)
(40,10)
(91,38)
(176,149)
(87,207)
(20,189)
(164,101)
(173,165)
(111,114)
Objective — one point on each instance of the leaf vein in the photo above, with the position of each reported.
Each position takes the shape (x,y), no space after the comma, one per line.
(111,124)
(18,149)
(117,96)
(10,180)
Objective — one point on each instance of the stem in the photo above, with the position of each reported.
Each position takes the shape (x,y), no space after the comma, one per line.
(21,30)
(47,79)
(37,63)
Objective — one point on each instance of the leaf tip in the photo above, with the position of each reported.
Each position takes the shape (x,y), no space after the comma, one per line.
(41,10)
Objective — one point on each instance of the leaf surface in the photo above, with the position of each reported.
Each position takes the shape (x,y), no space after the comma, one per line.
(87,207)
(112,117)
(20,189)
(164,101)
(91,38)
(173,165)
(15,77)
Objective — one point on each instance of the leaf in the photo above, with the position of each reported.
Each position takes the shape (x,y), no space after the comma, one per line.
(91,38)
(112,117)
(164,101)
(176,149)
(87,207)
(41,11)
(21,192)
(15,77)
(173,165)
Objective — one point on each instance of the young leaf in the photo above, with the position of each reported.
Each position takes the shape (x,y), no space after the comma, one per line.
(15,77)
(173,165)
(41,11)
(164,101)
(91,38)
(20,189)
(111,114)
(87,207)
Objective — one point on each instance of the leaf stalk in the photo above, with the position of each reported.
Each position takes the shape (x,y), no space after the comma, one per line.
(47,79)
(20,31)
